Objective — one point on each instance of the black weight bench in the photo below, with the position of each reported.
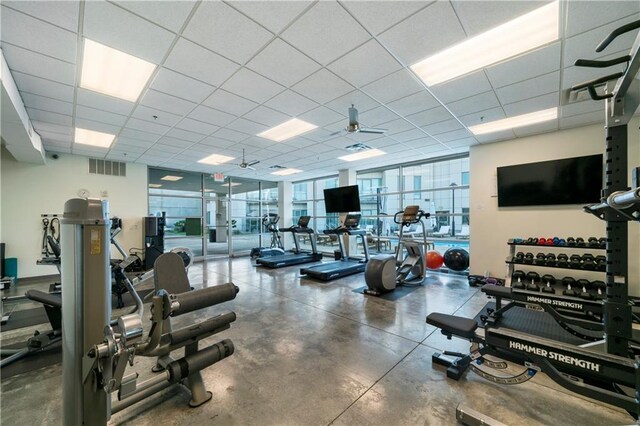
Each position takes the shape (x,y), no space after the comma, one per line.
(452,325)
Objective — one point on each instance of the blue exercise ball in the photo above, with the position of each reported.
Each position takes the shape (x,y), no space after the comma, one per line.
(456,259)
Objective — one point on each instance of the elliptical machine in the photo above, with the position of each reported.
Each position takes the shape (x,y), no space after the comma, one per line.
(276,248)
(385,272)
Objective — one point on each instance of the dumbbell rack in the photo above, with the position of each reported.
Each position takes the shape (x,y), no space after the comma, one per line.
(560,301)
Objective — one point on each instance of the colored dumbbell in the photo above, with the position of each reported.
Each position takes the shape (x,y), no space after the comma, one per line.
(556,241)
(562,242)
(550,241)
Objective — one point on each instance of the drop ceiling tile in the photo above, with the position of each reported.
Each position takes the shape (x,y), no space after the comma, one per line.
(291,103)
(38,65)
(325,32)
(442,127)
(42,87)
(196,126)
(108,24)
(168,14)
(250,85)
(318,135)
(582,120)
(574,75)
(585,15)
(322,86)
(216,142)
(46,104)
(274,16)
(430,116)
(377,16)
(246,126)
(409,135)
(480,16)
(534,129)
(209,67)
(321,116)
(485,116)
(537,86)
(282,63)
(185,135)
(32,34)
(211,116)
(397,126)
(120,145)
(100,115)
(49,117)
(120,156)
(376,116)
(461,143)
(432,29)
(62,14)
(230,103)
(474,103)
(365,64)
(181,86)
(538,62)
(55,137)
(266,116)
(394,86)
(160,149)
(230,135)
(104,102)
(532,105)
(462,87)
(413,103)
(583,108)
(455,135)
(94,153)
(134,137)
(164,102)
(222,29)
(51,128)
(147,126)
(361,101)
(155,116)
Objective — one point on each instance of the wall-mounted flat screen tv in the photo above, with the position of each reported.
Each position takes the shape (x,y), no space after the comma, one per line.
(567,181)
(342,200)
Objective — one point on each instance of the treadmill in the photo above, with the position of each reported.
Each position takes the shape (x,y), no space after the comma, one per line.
(296,256)
(346,266)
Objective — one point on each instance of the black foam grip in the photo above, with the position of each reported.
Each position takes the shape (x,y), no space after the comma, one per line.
(182,368)
(202,328)
(198,299)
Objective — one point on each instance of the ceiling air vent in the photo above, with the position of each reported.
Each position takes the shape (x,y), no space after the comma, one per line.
(276,167)
(358,147)
(107,167)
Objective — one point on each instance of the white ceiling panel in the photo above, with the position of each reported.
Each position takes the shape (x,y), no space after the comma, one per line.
(164,102)
(160,149)
(376,116)
(50,127)
(100,115)
(432,29)
(430,116)
(394,86)
(455,135)
(49,117)
(474,103)
(575,75)
(480,16)
(413,103)
(216,142)
(325,32)
(47,104)
(272,15)
(247,127)
(250,85)
(228,102)
(30,33)
(120,145)
(146,126)
(116,155)
(55,137)
(584,107)
(168,14)
(532,105)
(104,102)
(282,63)
(219,27)
(485,116)
(196,126)
(365,64)
(360,100)
(230,135)
(462,87)
(176,84)
(322,86)
(321,116)
(185,135)
(397,126)
(138,138)
(442,127)
(537,86)
(42,87)
(377,16)
(209,67)
(38,65)
(155,116)
(266,116)
(585,15)
(548,126)
(108,24)
(409,135)
(582,120)
(63,13)
(211,116)
(462,143)
(538,62)
(318,135)
(83,123)
(291,103)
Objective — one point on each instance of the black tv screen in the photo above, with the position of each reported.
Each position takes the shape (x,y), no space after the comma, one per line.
(342,200)
(568,181)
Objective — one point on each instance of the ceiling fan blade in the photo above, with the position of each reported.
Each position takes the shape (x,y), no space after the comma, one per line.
(371,130)
(252,168)
(253,163)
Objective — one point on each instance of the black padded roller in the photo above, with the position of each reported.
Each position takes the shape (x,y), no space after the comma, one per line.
(183,367)
(199,299)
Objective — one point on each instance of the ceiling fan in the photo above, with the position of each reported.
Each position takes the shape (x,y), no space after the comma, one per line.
(244,164)
(354,126)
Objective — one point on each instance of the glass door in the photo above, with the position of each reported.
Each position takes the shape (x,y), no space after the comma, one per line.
(216,208)
(245,215)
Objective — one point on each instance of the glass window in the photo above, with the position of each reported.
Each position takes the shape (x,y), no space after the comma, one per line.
(172,182)
(323,184)
(465,178)
(302,190)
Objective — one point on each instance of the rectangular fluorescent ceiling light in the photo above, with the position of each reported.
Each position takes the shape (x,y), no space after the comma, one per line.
(215,159)
(514,122)
(112,72)
(512,38)
(286,172)
(171,178)
(287,130)
(231,184)
(154,185)
(362,155)
(93,138)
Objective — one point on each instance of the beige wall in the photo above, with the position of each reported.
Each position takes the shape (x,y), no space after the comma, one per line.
(491,226)
(29,190)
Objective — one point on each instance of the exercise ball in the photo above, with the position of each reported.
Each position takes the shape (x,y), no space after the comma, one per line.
(434,260)
(456,259)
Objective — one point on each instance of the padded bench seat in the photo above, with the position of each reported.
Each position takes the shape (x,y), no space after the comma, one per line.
(496,291)
(451,324)
(44,298)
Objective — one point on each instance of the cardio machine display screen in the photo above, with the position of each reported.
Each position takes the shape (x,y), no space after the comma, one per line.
(342,200)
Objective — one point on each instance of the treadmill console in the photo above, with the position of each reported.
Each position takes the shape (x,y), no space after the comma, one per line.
(303,222)
(352,221)
(410,214)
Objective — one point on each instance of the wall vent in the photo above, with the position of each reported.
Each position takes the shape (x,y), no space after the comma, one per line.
(107,167)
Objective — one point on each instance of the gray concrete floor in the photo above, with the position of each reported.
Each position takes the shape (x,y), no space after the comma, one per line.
(315,353)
